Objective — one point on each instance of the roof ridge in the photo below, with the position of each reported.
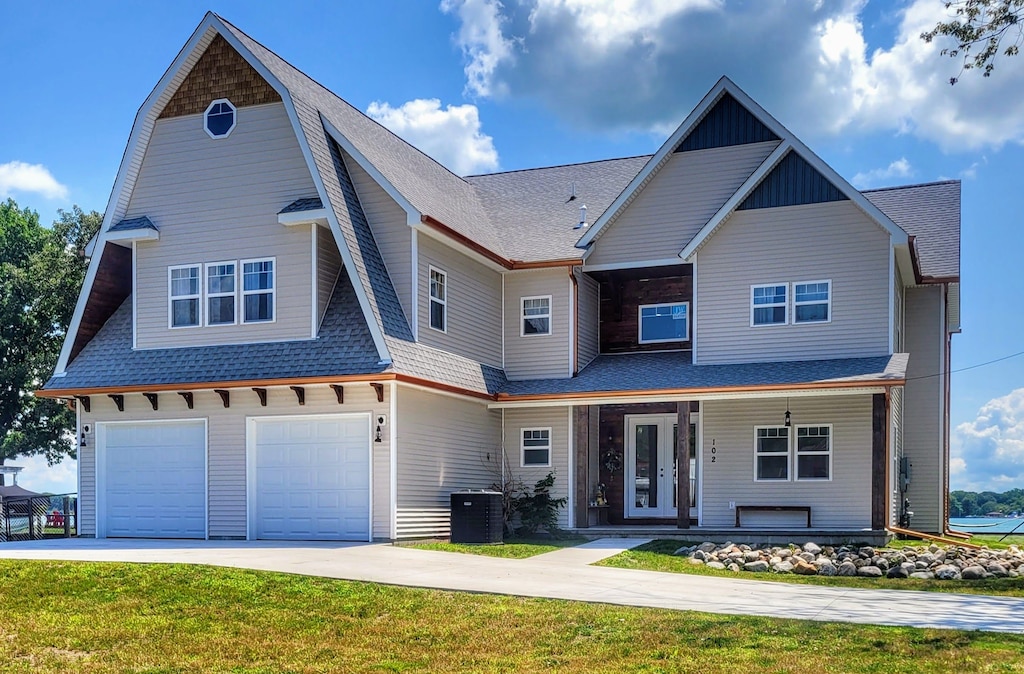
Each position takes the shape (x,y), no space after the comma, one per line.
(554,166)
(951,181)
(303,74)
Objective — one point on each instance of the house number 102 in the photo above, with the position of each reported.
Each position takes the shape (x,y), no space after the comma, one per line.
(713,451)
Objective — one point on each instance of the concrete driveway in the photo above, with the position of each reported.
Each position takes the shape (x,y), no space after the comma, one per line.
(564,574)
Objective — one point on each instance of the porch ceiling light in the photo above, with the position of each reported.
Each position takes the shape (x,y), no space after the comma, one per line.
(789,417)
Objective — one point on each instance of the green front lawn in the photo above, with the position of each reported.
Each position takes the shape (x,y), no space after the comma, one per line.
(91,617)
(513,548)
(658,556)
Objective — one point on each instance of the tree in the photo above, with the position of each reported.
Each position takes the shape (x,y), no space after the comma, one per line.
(41,271)
(983,30)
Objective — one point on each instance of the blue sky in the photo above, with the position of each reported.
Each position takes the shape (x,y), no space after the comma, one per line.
(485,86)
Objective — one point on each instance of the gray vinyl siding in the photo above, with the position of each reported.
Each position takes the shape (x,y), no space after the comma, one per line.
(896,451)
(328,266)
(537,356)
(558,420)
(589,311)
(444,444)
(834,241)
(842,502)
(922,406)
(474,303)
(217,200)
(227,445)
(677,202)
(391,231)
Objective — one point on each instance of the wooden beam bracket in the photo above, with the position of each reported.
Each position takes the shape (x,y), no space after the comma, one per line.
(339,391)
(86,404)
(379,388)
(225,396)
(300,393)
(189,399)
(262,393)
(153,399)
(118,400)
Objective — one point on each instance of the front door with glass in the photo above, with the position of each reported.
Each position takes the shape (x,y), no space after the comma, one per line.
(651,466)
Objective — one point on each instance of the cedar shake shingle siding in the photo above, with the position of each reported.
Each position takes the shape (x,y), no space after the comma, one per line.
(220,73)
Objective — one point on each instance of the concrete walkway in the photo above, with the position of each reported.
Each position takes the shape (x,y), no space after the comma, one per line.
(563,574)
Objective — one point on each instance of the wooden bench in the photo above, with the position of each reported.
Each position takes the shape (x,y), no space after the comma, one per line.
(774,508)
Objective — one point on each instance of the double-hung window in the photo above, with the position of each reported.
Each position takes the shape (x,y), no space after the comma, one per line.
(813,452)
(185,296)
(536,447)
(220,293)
(536,316)
(258,290)
(768,304)
(812,302)
(438,300)
(771,453)
(664,322)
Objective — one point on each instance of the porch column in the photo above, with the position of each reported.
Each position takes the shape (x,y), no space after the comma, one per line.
(683,465)
(879,459)
(581,430)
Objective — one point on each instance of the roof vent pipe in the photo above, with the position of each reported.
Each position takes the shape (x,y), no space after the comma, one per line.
(583,218)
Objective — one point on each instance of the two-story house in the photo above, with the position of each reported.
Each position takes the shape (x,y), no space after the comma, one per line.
(297,326)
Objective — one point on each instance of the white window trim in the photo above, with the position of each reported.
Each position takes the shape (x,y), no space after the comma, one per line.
(796,453)
(234,118)
(522,447)
(789,454)
(785,305)
(522,317)
(244,293)
(640,323)
(171,296)
(431,269)
(207,295)
(800,304)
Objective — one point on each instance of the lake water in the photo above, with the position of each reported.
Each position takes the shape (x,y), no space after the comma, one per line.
(986,525)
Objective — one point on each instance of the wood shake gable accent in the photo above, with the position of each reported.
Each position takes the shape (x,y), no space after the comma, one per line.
(221,72)
(111,286)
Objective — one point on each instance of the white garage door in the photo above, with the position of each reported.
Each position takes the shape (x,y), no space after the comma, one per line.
(312,478)
(153,479)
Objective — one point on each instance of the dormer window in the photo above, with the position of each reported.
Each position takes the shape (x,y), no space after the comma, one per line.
(219,118)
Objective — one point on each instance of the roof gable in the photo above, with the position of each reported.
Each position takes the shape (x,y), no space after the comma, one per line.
(793,182)
(220,72)
(727,123)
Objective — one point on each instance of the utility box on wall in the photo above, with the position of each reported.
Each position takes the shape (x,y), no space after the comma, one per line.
(476,516)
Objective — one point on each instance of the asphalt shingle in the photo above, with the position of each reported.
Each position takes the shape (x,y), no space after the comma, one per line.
(930,213)
(133,224)
(300,205)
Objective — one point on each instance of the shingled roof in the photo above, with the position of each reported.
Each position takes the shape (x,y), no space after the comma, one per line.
(930,212)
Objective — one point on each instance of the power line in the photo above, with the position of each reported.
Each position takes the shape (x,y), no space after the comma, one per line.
(969,367)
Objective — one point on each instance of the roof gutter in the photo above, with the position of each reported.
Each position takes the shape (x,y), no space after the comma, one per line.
(920,278)
(439,226)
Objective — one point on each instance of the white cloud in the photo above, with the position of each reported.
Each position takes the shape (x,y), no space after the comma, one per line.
(17,176)
(987,453)
(971,172)
(452,135)
(807,61)
(900,168)
(37,476)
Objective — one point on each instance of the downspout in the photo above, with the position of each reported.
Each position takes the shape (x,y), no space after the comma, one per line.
(888,456)
(945,422)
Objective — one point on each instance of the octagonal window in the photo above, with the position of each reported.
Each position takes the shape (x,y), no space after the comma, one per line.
(219,118)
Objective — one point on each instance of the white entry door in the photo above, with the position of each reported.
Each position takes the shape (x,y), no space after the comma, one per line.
(651,466)
(151,479)
(310,477)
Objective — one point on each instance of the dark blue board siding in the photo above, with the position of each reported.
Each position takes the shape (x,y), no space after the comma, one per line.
(792,183)
(727,123)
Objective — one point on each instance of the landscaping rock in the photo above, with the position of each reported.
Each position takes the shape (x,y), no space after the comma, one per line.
(759,566)
(923,575)
(782,567)
(827,570)
(812,548)
(716,565)
(869,571)
(947,572)
(897,572)
(997,570)
(707,547)
(847,568)
(696,562)
(973,572)
(804,568)
(700,554)
(751,556)
(734,567)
